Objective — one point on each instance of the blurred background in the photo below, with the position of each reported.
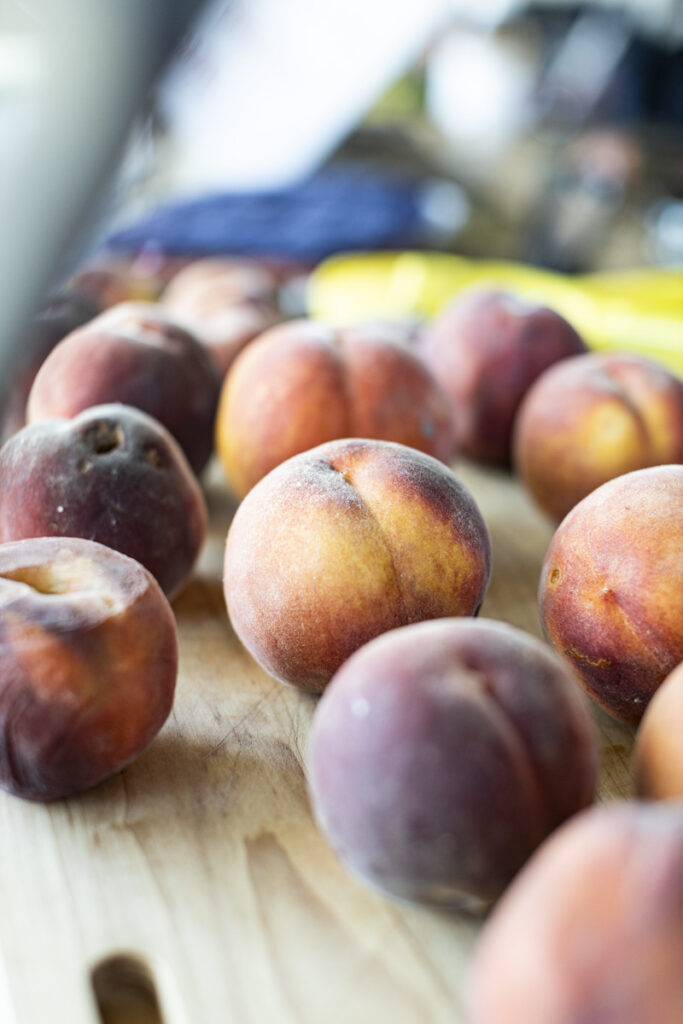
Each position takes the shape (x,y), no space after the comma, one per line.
(134,137)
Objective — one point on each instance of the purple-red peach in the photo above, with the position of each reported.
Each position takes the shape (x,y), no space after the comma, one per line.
(344,542)
(134,354)
(110,474)
(303,383)
(441,754)
(610,593)
(594,417)
(486,349)
(88,664)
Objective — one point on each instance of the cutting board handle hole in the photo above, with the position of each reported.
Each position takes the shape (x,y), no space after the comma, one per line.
(125,991)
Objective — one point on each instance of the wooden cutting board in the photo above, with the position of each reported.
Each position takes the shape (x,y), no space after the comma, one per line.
(198,871)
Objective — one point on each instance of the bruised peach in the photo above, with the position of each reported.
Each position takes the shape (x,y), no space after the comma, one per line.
(590,932)
(113,475)
(344,542)
(592,418)
(442,753)
(302,384)
(610,594)
(133,354)
(659,742)
(486,349)
(88,662)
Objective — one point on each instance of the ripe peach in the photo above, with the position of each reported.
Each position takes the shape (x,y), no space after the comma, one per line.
(205,286)
(88,661)
(134,354)
(229,302)
(659,742)
(486,349)
(610,594)
(592,418)
(113,475)
(442,753)
(591,930)
(302,384)
(344,542)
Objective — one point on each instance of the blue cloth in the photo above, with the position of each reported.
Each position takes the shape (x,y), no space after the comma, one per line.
(329,213)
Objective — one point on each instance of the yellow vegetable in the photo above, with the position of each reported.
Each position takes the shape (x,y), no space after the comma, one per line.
(630,311)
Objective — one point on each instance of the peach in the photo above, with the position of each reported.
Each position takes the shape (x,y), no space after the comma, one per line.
(344,542)
(229,302)
(88,663)
(302,383)
(591,931)
(227,331)
(110,278)
(61,314)
(442,753)
(487,348)
(134,354)
(204,286)
(659,742)
(610,594)
(110,474)
(592,418)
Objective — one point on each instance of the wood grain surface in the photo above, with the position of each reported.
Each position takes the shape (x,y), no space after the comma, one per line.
(200,865)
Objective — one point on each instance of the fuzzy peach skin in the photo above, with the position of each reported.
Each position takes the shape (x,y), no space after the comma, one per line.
(592,418)
(133,354)
(442,753)
(88,663)
(591,932)
(659,742)
(610,594)
(344,542)
(303,383)
(486,349)
(110,474)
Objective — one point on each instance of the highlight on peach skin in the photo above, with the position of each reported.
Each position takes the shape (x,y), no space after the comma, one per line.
(486,349)
(88,664)
(659,743)
(610,594)
(344,542)
(590,931)
(442,753)
(137,355)
(303,383)
(592,418)
(110,474)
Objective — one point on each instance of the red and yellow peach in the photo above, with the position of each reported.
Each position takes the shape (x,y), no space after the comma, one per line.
(610,594)
(302,384)
(590,932)
(592,418)
(344,542)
